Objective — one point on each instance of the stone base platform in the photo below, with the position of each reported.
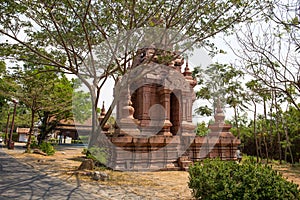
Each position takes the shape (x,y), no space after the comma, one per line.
(161,152)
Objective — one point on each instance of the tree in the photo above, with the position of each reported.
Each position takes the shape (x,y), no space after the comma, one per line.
(2,82)
(269,53)
(59,105)
(22,118)
(47,96)
(221,81)
(269,50)
(3,103)
(66,34)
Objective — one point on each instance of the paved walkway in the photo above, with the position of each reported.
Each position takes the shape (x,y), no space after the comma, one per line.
(20,181)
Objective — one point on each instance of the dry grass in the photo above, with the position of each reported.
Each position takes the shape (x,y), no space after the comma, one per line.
(151,185)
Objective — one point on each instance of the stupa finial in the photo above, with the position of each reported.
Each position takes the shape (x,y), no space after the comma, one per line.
(219,115)
(103,112)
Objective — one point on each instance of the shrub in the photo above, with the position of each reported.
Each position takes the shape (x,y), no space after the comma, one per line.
(34,144)
(76,142)
(215,179)
(47,148)
(15,137)
(98,155)
(84,151)
(84,139)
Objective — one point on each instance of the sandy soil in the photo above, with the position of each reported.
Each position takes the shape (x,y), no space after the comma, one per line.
(148,185)
(292,173)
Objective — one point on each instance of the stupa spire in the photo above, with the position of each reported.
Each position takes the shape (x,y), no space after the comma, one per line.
(103,112)
(219,115)
(188,74)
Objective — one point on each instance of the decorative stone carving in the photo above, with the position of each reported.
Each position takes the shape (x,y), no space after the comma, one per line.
(154,115)
(127,125)
(188,75)
(219,128)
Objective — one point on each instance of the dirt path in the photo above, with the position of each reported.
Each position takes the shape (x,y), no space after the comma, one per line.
(122,185)
(21,181)
(292,173)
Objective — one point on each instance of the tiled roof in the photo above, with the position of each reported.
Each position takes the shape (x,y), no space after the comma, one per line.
(23,130)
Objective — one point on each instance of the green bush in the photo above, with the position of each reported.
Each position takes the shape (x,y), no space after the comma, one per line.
(215,179)
(76,142)
(98,155)
(84,151)
(34,144)
(84,139)
(15,137)
(47,148)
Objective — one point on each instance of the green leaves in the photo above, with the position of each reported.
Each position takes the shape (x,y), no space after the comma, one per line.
(74,28)
(47,148)
(295,21)
(202,129)
(219,81)
(204,110)
(82,106)
(216,179)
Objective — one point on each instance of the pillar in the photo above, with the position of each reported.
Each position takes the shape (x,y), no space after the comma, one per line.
(165,102)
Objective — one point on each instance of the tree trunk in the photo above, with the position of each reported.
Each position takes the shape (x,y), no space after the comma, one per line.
(254,131)
(236,122)
(265,131)
(288,144)
(271,139)
(285,152)
(44,126)
(6,129)
(30,131)
(259,145)
(277,129)
(266,147)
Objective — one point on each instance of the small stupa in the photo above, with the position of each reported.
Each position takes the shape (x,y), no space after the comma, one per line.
(106,127)
(219,128)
